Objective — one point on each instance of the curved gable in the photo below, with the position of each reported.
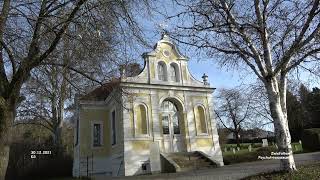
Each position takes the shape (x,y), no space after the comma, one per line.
(165,51)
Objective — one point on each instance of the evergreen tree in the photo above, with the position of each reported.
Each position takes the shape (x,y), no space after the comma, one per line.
(295,116)
(310,101)
(314,108)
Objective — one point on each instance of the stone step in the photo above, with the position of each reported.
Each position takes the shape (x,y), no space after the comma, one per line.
(186,158)
(184,169)
(184,155)
(191,161)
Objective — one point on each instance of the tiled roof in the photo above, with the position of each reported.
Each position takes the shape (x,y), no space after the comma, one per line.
(102,92)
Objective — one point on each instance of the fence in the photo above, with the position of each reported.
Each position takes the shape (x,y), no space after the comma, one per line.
(86,166)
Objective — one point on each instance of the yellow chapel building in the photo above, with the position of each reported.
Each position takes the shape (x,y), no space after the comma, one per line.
(161,120)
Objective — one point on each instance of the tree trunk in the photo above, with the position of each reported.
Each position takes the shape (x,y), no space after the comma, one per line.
(281,127)
(62,97)
(236,133)
(58,136)
(4,159)
(57,140)
(6,120)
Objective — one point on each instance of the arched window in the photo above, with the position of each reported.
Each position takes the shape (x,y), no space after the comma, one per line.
(141,119)
(174,73)
(170,114)
(162,71)
(200,120)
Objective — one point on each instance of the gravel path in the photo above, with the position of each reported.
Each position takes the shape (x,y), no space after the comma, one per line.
(229,172)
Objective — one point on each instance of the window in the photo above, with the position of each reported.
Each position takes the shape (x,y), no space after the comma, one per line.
(170,114)
(175,123)
(77,132)
(200,120)
(174,73)
(113,128)
(141,119)
(162,71)
(97,134)
(165,124)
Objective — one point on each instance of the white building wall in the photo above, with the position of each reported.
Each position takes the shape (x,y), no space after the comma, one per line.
(134,160)
(92,165)
(213,152)
(128,161)
(156,128)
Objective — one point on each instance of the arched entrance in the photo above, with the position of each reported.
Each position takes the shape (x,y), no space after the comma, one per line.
(172,123)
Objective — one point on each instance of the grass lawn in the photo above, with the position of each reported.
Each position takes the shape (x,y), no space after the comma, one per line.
(297,148)
(256,145)
(245,156)
(305,172)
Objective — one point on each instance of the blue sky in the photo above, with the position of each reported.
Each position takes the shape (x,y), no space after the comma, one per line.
(219,77)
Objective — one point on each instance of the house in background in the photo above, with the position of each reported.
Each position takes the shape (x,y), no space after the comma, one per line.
(255,133)
(134,125)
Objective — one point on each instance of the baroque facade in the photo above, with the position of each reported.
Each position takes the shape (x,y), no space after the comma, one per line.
(164,105)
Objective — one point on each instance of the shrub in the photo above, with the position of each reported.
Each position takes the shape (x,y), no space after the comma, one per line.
(255,140)
(311,139)
(237,158)
(22,166)
(59,166)
(244,146)
(256,145)
(266,151)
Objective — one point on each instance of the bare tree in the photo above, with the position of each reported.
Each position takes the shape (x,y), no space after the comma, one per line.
(269,37)
(24,46)
(51,87)
(23,63)
(259,105)
(234,111)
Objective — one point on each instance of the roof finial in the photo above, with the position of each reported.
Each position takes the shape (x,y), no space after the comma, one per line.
(205,79)
(122,69)
(163,29)
(165,35)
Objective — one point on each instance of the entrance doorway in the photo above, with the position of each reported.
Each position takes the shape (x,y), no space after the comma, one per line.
(171,127)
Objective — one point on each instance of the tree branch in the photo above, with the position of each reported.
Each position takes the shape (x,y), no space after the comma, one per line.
(3,19)
(264,35)
(59,34)
(33,123)
(231,130)
(298,42)
(73,69)
(244,36)
(296,63)
(10,54)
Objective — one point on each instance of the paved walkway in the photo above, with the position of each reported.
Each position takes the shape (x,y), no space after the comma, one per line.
(229,172)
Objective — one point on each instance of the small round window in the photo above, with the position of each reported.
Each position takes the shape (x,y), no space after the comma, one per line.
(166,53)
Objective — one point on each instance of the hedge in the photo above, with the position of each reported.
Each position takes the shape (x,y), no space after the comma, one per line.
(22,166)
(311,139)
(255,140)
